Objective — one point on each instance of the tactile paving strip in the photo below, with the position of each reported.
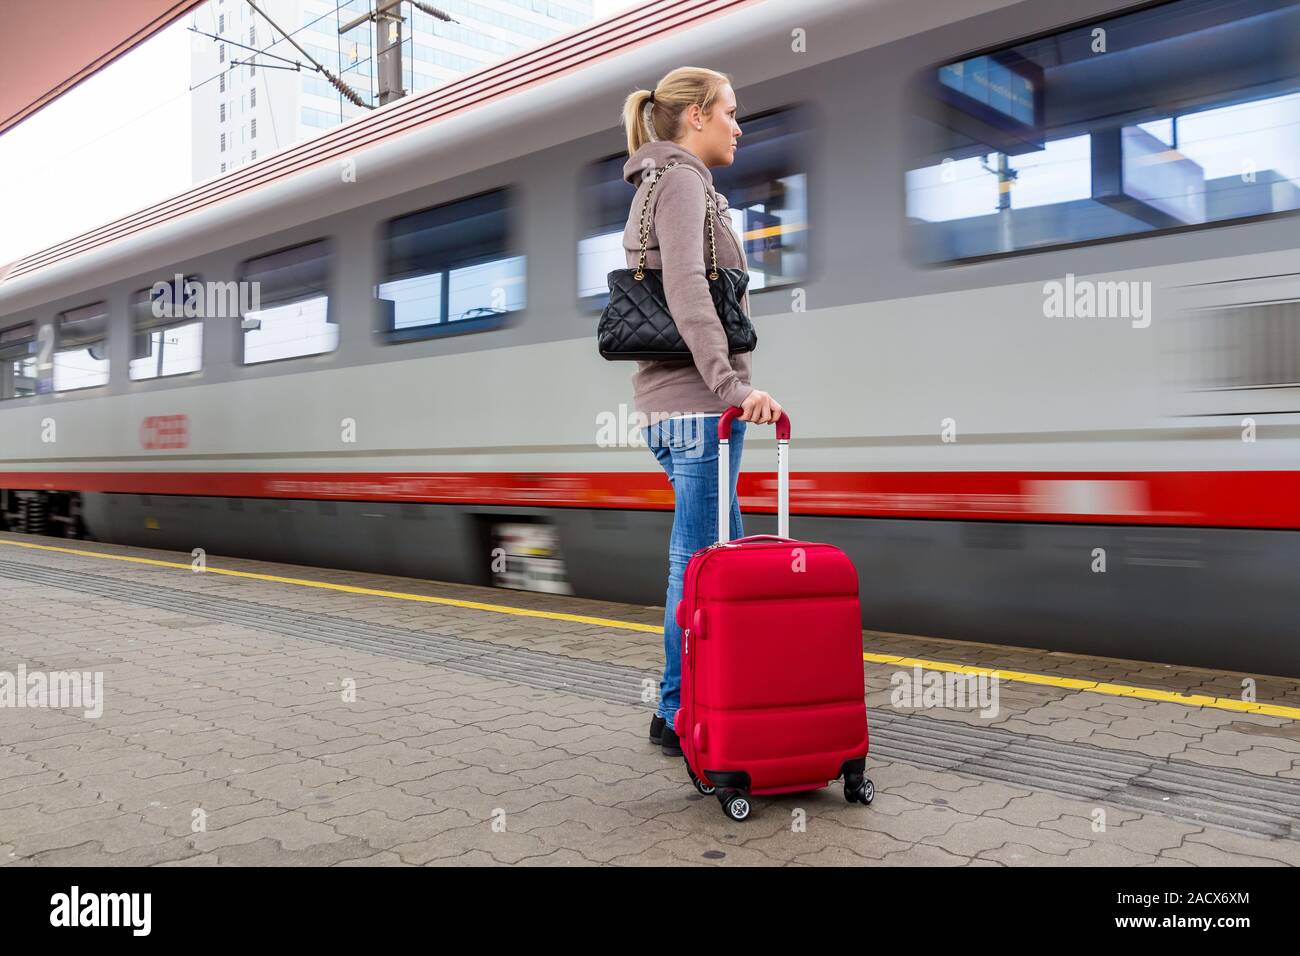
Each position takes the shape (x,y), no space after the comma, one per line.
(1217,796)
(1221,797)
(607,682)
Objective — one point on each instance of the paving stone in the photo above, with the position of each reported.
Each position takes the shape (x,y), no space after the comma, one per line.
(695,848)
(1202,854)
(865,844)
(1268,761)
(290,829)
(602,846)
(1018,854)
(31,819)
(1246,848)
(1108,854)
(12,789)
(561,857)
(251,727)
(415,774)
(1073,817)
(973,837)
(386,858)
(113,834)
(93,853)
(271,852)
(1154,744)
(358,796)
(918,854)
(58,794)
(180,818)
(380,830)
(502,847)
(983,797)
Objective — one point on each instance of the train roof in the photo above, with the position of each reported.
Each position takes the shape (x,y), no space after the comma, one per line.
(565,89)
(501,84)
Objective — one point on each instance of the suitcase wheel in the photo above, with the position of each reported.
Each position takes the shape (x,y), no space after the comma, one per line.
(735,804)
(700,785)
(860,790)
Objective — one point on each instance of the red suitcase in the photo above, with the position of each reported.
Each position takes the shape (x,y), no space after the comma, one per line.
(772,677)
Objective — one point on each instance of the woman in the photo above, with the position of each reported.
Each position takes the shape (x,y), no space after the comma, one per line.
(689,118)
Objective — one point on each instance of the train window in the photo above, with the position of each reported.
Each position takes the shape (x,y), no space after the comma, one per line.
(1177,116)
(284,302)
(18,350)
(605,202)
(81,348)
(167,329)
(766,189)
(450,269)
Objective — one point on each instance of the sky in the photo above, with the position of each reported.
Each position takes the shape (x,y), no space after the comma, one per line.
(116,143)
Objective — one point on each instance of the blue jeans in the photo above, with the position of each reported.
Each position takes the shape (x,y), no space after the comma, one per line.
(687,448)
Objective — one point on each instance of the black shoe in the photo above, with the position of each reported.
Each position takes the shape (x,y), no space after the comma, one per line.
(657,730)
(672,744)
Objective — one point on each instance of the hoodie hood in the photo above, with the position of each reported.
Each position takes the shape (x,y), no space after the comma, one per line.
(659,154)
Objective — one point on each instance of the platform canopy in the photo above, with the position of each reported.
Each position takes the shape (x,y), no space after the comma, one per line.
(49,46)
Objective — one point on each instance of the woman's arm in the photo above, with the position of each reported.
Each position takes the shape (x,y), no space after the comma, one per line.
(679,211)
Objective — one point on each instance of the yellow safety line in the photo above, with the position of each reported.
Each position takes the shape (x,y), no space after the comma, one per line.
(1068,683)
(352,589)
(1095,687)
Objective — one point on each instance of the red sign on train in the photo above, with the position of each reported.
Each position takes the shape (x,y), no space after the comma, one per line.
(165,431)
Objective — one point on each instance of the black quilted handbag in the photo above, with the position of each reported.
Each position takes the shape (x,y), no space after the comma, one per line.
(636,323)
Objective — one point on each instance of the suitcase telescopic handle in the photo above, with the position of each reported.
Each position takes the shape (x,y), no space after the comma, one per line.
(735,411)
(724,474)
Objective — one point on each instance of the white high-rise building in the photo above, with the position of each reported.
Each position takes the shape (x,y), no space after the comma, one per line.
(248,104)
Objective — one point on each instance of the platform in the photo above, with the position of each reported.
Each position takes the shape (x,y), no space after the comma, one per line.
(265,714)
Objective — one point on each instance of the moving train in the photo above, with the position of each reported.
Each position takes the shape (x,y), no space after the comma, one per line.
(1024,275)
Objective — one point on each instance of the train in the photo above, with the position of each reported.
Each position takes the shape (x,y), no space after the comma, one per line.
(1024,275)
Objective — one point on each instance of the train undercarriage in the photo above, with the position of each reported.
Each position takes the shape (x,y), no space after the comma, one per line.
(54,513)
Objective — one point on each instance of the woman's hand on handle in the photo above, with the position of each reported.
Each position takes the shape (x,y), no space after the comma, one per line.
(760,408)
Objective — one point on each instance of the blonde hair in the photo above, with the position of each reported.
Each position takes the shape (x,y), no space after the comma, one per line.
(644,121)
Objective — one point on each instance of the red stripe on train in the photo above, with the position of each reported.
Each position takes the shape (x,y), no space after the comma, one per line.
(1246,499)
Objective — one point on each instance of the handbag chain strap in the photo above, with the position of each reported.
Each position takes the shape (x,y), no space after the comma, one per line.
(645,226)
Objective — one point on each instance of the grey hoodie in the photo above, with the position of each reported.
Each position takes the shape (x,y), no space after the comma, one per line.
(679,245)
